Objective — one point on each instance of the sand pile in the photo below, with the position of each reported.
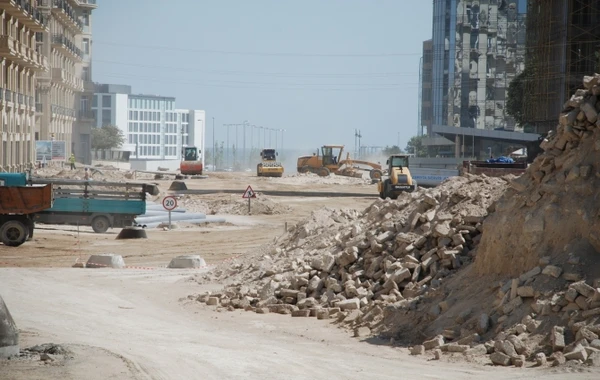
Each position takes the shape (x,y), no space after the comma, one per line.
(233,205)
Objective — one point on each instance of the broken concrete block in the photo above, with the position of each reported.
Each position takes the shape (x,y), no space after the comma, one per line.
(433,343)
(362,332)
(458,347)
(557,338)
(301,313)
(530,274)
(518,361)
(526,291)
(578,353)
(417,350)
(498,358)
(437,354)
(212,301)
(477,350)
(551,270)
(582,288)
(540,359)
(351,304)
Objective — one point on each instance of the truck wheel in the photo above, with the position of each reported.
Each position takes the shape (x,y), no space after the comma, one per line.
(14,233)
(100,224)
(375,174)
(323,172)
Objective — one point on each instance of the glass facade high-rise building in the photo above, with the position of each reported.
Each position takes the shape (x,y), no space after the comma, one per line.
(478,49)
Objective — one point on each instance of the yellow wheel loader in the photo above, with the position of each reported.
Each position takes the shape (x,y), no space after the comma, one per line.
(399,179)
(269,167)
(330,160)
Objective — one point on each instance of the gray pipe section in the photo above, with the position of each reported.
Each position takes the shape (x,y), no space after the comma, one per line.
(9,333)
(160,218)
(191,221)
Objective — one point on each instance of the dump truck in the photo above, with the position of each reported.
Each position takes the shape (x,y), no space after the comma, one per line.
(99,204)
(192,161)
(399,178)
(269,167)
(19,204)
(330,161)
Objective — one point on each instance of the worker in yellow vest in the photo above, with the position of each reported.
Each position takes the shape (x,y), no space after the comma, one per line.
(72,161)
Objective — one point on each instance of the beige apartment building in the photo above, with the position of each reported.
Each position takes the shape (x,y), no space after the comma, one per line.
(82,135)
(59,87)
(20,62)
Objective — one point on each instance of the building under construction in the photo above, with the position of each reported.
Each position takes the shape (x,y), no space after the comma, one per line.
(563,45)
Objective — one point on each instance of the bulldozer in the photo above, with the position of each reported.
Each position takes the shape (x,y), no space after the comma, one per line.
(399,178)
(269,167)
(330,161)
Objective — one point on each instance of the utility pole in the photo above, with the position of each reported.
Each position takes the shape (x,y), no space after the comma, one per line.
(245,155)
(214,147)
(227,143)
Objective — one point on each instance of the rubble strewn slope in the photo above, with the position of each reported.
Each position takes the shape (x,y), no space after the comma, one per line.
(553,209)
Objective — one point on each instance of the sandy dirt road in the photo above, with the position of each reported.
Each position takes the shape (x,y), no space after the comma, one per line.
(137,316)
(139,324)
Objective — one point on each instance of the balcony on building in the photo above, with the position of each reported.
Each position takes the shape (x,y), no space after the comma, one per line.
(67,47)
(62,111)
(90,4)
(21,54)
(26,13)
(67,79)
(66,14)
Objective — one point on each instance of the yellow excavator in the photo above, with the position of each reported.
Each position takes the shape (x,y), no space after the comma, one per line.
(330,161)
(269,167)
(399,178)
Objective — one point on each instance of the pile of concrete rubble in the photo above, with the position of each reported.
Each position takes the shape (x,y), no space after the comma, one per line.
(401,269)
(348,265)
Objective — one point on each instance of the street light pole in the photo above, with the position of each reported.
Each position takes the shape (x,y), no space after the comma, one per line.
(214,147)
(227,143)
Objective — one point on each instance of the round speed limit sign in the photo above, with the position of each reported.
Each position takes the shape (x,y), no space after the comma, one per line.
(169,203)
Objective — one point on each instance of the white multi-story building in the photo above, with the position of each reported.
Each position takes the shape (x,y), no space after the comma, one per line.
(155,131)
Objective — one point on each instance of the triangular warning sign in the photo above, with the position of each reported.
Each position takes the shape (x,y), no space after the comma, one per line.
(249,193)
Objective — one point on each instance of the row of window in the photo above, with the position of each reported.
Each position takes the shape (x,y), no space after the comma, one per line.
(154,128)
(155,151)
(151,139)
(154,104)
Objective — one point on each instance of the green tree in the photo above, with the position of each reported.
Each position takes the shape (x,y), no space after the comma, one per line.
(518,96)
(107,137)
(389,150)
(415,146)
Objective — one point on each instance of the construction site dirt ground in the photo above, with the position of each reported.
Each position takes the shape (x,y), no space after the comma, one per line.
(138,323)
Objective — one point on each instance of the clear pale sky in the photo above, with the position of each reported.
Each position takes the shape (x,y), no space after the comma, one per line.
(318,68)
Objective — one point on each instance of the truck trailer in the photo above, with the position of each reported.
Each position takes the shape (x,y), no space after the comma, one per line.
(99,204)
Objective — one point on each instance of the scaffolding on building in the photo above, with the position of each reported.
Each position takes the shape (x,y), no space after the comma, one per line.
(563,45)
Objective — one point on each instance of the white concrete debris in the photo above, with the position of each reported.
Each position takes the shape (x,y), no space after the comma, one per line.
(106,260)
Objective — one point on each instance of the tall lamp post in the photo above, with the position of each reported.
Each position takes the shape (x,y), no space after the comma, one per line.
(214,147)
